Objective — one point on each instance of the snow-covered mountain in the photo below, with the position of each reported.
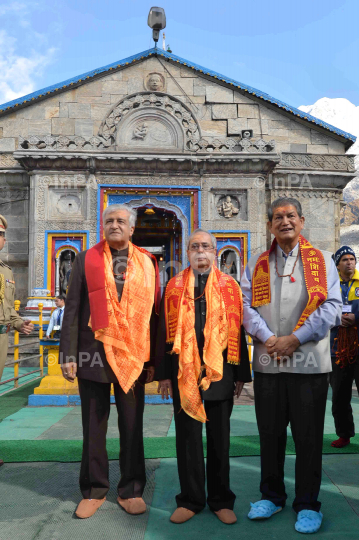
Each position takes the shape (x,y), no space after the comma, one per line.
(339,112)
(343,114)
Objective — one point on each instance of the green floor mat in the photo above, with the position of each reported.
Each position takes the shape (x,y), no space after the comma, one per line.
(156,420)
(155,447)
(22,425)
(15,400)
(340,520)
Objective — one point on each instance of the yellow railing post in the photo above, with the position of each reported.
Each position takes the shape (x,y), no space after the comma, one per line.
(40,336)
(16,349)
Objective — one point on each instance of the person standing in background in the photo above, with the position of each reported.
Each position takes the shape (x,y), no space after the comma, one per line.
(57,317)
(344,348)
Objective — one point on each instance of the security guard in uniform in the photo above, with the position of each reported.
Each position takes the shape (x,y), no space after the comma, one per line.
(8,316)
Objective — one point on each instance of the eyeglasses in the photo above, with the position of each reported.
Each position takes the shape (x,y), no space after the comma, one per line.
(205,247)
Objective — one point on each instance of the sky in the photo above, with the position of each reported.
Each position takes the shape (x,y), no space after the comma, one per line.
(297,52)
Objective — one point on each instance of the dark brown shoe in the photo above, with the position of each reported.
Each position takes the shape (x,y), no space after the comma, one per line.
(226,516)
(133,506)
(181,515)
(88,507)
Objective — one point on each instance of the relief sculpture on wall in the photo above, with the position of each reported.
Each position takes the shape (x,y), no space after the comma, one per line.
(155,82)
(228,207)
(140,131)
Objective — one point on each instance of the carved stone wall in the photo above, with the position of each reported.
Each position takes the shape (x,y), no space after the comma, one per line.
(14,197)
(68,203)
(229,204)
(321,209)
(51,192)
(156,123)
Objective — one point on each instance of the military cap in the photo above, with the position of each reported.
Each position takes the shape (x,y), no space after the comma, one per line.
(3,223)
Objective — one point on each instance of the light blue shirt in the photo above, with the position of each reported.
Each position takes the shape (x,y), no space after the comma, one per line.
(316,326)
(54,318)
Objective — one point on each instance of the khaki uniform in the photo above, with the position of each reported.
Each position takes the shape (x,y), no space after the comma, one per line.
(7,311)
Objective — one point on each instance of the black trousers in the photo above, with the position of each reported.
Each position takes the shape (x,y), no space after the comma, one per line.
(341,380)
(95,408)
(298,399)
(190,457)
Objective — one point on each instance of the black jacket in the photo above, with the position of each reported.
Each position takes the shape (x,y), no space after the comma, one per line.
(77,338)
(167,364)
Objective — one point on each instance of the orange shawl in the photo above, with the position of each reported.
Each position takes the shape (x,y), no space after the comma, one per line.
(222,330)
(126,339)
(315,277)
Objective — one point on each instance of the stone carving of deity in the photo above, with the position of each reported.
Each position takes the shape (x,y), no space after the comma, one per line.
(227,209)
(65,271)
(140,132)
(155,82)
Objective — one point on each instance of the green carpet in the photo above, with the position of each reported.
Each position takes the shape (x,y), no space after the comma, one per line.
(340,520)
(21,425)
(17,399)
(155,447)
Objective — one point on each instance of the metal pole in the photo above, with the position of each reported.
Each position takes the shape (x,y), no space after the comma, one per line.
(57,276)
(40,337)
(16,349)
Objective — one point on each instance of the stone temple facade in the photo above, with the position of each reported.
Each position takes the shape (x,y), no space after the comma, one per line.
(185,146)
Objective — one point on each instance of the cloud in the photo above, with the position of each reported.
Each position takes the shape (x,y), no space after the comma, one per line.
(19,72)
(14,7)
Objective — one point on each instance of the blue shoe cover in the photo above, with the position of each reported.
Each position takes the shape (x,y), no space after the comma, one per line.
(308,521)
(263,509)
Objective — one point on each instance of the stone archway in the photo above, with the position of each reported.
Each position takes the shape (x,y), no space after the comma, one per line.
(147,106)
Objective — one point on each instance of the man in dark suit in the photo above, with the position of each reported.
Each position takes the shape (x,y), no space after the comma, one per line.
(201,315)
(106,338)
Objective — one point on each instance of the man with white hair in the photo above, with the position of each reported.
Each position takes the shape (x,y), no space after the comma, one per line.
(201,326)
(108,329)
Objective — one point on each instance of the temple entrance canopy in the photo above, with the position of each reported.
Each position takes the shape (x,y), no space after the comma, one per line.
(160,232)
(165,219)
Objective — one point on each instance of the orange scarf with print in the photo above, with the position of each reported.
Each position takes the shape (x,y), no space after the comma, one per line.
(315,277)
(222,330)
(126,338)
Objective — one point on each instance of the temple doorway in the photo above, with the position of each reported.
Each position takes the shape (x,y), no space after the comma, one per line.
(160,231)
(229,263)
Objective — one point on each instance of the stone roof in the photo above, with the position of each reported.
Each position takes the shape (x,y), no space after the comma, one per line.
(86,77)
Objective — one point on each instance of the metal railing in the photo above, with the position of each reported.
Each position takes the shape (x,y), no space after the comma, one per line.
(17,346)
